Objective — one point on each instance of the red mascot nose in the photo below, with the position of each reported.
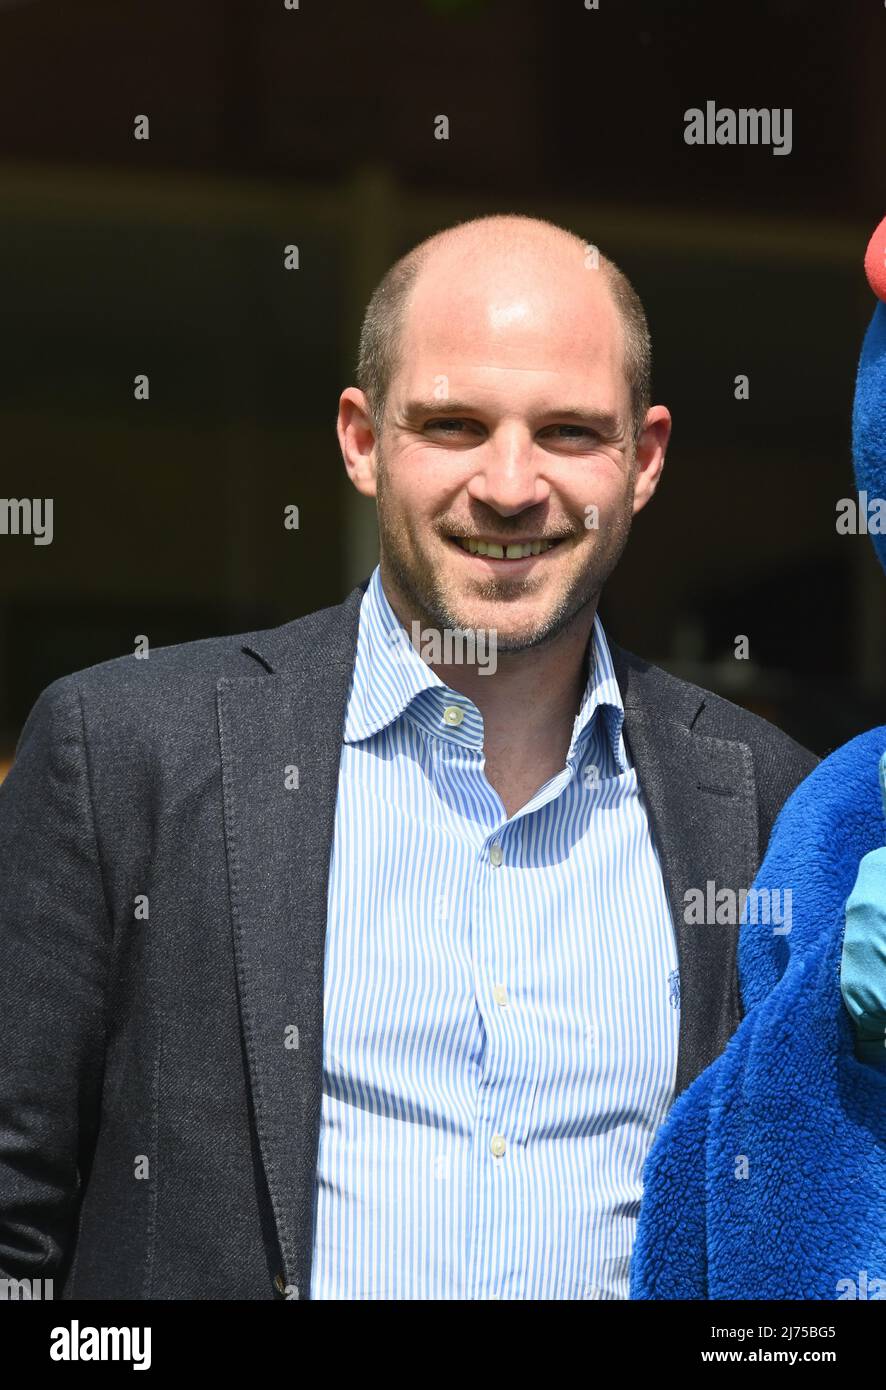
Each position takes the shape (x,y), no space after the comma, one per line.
(875,261)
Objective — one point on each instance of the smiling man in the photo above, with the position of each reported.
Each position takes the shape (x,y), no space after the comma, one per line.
(507,406)
(390,959)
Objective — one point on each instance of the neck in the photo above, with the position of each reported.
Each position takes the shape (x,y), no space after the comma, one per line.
(530,701)
(533,691)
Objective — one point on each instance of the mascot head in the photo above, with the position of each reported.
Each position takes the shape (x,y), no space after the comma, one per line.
(869,411)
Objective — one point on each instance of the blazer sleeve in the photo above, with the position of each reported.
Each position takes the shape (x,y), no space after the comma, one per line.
(54,949)
(781,767)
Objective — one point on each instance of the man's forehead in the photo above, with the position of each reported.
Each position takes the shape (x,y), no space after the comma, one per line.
(547,315)
(489,346)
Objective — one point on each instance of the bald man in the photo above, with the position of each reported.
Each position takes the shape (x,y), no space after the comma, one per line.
(352,959)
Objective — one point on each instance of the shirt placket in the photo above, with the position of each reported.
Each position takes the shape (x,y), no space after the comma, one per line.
(510,1065)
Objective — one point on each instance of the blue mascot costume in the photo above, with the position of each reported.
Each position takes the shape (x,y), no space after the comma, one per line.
(768,1178)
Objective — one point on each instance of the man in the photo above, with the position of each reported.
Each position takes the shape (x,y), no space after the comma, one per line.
(329,973)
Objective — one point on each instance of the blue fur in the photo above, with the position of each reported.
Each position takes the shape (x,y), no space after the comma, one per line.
(788,1093)
(869,417)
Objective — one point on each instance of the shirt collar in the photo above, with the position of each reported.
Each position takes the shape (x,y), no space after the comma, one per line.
(390,677)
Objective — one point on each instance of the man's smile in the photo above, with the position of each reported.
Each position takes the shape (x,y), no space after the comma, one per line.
(511,557)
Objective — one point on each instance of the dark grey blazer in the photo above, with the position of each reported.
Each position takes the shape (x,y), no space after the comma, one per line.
(162,918)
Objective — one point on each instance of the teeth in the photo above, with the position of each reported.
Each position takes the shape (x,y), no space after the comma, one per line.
(497,552)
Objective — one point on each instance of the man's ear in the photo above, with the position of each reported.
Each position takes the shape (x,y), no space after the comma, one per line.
(357,440)
(650,455)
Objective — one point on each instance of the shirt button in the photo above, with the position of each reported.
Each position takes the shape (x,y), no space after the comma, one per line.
(498,1145)
(495,855)
(500,995)
(453,714)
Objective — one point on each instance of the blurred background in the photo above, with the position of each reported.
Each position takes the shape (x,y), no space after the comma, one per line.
(276,124)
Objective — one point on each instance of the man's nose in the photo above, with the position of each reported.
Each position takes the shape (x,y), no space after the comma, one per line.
(506,476)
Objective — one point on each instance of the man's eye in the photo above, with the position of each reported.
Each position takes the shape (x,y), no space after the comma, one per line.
(443,424)
(580,430)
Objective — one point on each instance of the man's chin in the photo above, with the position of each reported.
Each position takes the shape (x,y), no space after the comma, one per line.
(523,612)
(515,630)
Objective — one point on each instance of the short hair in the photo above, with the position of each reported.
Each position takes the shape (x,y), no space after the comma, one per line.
(379,360)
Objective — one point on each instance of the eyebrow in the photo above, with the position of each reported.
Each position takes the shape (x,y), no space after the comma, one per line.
(604,421)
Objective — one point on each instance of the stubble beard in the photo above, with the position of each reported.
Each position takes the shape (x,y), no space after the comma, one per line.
(428,601)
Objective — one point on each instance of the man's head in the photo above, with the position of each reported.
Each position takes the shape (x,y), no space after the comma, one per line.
(503,395)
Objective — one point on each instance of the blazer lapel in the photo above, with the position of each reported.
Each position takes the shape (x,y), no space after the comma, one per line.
(281,738)
(701,796)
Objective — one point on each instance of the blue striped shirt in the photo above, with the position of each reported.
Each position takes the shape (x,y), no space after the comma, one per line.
(501,1000)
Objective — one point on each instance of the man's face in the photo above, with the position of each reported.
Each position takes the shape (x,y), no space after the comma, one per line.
(507,423)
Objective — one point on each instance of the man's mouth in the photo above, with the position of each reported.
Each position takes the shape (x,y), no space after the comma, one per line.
(491,549)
